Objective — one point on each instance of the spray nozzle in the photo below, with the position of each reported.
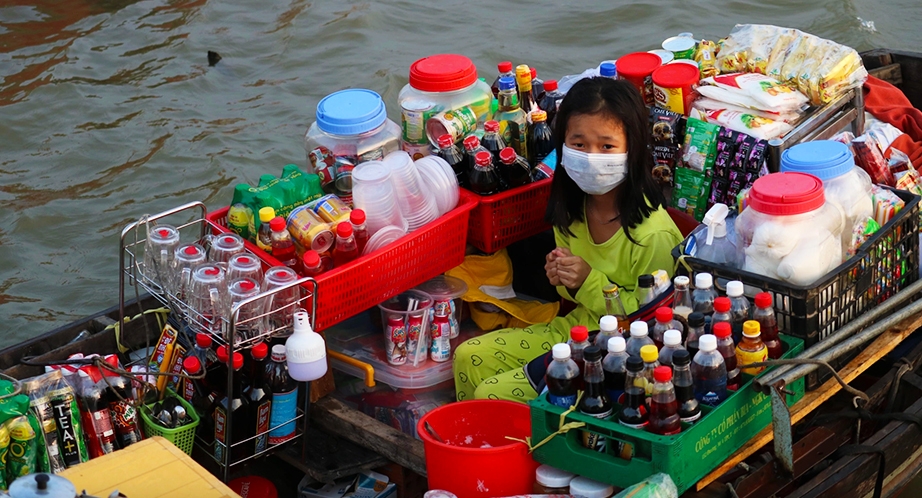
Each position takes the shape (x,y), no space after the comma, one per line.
(716,221)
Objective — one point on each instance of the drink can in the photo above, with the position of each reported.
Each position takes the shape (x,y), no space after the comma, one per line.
(343,180)
(309,230)
(416,151)
(395,340)
(414,114)
(458,123)
(440,330)
(324,165)
(417,340)
(331,209)
(682,47)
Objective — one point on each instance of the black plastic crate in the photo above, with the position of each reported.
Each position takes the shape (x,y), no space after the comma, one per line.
(885,264)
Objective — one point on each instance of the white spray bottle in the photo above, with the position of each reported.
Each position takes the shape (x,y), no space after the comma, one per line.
(717,248)
(306,351)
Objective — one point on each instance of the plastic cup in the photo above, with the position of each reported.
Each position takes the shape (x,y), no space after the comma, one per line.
(224,246)
(249,322)
(245,264)
(207,299)
(161,244)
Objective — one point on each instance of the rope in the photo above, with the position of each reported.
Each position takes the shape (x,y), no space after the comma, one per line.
(562,428)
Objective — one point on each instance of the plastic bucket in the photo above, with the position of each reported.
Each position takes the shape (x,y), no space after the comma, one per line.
(673,86)
(476,459)
(637,68)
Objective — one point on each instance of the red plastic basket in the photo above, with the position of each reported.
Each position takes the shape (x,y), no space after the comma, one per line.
(416,257)
(509,216)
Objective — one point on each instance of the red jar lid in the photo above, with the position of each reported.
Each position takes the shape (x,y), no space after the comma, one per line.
(638,64)
(676,75)
(787,194)
(442,73)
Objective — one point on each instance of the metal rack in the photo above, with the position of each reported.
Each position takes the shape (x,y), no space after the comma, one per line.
(271,322)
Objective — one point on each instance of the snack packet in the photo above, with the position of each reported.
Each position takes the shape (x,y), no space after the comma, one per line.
(667,132)
(700,146)
(860,234)
(870,158)
(706,57)
(770,94)
(886,204)
(23,448)
(755,126)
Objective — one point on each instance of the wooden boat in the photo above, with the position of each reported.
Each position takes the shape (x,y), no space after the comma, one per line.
(342,441)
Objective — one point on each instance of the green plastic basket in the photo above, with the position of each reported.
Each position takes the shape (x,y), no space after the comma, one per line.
(181,437)
(686,457)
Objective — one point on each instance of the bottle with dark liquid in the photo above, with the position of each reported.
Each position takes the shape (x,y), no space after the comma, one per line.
(537,86)
(359,230)
(595,401)
(650,356)
(540,138)
(695,331)
(633,411)
(483,179)
(202,350)
(751,349)
(523,81)
(561,377)
(721,312)
(472,146)
(512,119)
(94,413)
(283,248)
(513,168)
(121,408)
(615,368)
(264,233)
(551,101)
(739,308)
(505,70)
(664,322)
(689,411)
(579,341)
(704,294)
(764,313)
(491,139)
(727,349)
(236,405)
(709,372)
(284,397)
(345,249)
(639,338)
(664,410)
(259,398)
(608,328)
(672,342)
(454,157)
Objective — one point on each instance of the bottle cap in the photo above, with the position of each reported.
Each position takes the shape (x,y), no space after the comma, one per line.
(357,217)
(483,158)
(662,374)
(222,354)
(561,351)
(550,477)
(471,142)
(706,343)
(538,116)
(266,214)
(395,321)
(507,83)
(616,344)
(238,361)
(681,357)
(278,352)
(592,353)
(649,353)
(191,365)
(311,258)
(639,329)
(704,281)
(504,67)
(491,126)
(633,364)
(721,330)
(663,314)
(607,69)
(722,304)
(734,288)
(507,155)
(277,224)
(681,280)
(260,351)
(608,323)
(579,333)
(203,340)
(446,141)
(696,319)
(523,73)
(534,73)
(550,85)
(672,337)
(763,300)
(645,280)
(344,230)
(751,329)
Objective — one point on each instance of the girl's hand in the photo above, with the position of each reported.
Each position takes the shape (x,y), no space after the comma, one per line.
(572,270)
(551,268)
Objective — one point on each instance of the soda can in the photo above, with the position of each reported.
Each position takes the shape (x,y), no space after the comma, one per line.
(324,165)
(413,117)
(456,122)
(309,230)
(395,340)
(343,180)
(331,209)
(440,330)
(417,340)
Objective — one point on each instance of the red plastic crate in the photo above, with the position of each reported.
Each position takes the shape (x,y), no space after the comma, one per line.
(416,257)
(510,216)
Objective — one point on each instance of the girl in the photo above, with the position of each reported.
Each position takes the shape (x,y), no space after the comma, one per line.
(610,226)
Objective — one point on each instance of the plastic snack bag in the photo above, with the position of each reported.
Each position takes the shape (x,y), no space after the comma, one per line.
(23,448)
(871,159)
(768,92)
(758,127)
(656,486)
(700,146)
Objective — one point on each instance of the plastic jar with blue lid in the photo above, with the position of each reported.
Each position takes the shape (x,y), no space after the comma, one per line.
(844,183)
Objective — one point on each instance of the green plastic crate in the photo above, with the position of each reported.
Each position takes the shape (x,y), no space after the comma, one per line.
(686,457)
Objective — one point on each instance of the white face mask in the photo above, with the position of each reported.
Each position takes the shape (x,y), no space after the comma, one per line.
(595,174)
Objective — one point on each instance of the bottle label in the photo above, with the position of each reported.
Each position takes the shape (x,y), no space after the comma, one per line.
(124,417)
(220,421)
(441,345)
(262,425)
(633,426)
(281,418)
(746,357)
(188,389)
(711,392)
(592,440)
(562,401)
(693,418)
(67,435)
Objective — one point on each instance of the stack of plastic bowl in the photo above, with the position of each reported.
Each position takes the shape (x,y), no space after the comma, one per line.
(417,203)
(440,180)
(373,191)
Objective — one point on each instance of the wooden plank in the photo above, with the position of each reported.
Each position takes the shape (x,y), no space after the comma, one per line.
(891,73)
(812,400)
(332,415)
(329,457)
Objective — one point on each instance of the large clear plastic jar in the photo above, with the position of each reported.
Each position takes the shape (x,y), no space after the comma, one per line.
(444,87)
(789,231)
(844,183)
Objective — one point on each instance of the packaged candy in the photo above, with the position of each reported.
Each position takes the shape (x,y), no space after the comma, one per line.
(886,204)
(700,147)
(706,57)
(860,234)
(870,158)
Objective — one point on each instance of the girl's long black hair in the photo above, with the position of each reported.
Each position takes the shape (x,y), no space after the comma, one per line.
(640,195)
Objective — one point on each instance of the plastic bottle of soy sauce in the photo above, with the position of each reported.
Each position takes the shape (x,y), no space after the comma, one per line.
(561,377)
(764,313)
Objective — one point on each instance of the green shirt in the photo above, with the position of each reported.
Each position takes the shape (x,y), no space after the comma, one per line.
(618,261)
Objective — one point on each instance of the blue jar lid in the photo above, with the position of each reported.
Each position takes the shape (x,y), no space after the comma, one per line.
(350,112)
(607,69)
(825,159)
(506,83)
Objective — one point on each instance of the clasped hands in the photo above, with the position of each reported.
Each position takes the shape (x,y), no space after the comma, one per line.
(563,268)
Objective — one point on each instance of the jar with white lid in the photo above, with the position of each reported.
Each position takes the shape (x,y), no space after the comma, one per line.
(582,487)
(440,84)
(552,481)
(789,231)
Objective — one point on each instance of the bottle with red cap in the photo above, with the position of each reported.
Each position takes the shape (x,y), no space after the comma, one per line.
(259,398)
(514,168)
(721,312)
(345,249)
(491,139)
(579,340)
(200,397)
(359,230)
(725,346)
(233,404)
(764,313)
(537,86)
(311,264)
(664,410)
(551,101)
(505,69)
(202,350)
(482,178)
(664,321)
(540,138)
(283,248)
(454,157)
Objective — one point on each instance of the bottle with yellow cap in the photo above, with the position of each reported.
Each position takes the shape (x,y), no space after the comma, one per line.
(523,81)
(264,235)
(751,349)
(650,356)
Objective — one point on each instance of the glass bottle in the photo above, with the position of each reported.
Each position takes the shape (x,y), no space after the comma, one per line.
(284,397)
(721,312)
(695,331)
(523,81)
(739,308)
(664,410)
(614,366)
(709,372)
(491,140)
(650,356)
(483,177)
(672,342)
(283,248)
(608,328)
(726,348)
(633,411)
(639,338)
(512,119)
(704,294)
(515,173)
(357,218)
(345,249)
(681,299)
(646,292)
(664,322)
(311,264)
(537,86)
(613,304)
(540,138)
(751,349)
(594,402)
(561,377)
(551,101)
(202,350)
(505,70)
(264,234)
(259,398)
(233,404)
(454,157)
(764,313)
(689,411)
